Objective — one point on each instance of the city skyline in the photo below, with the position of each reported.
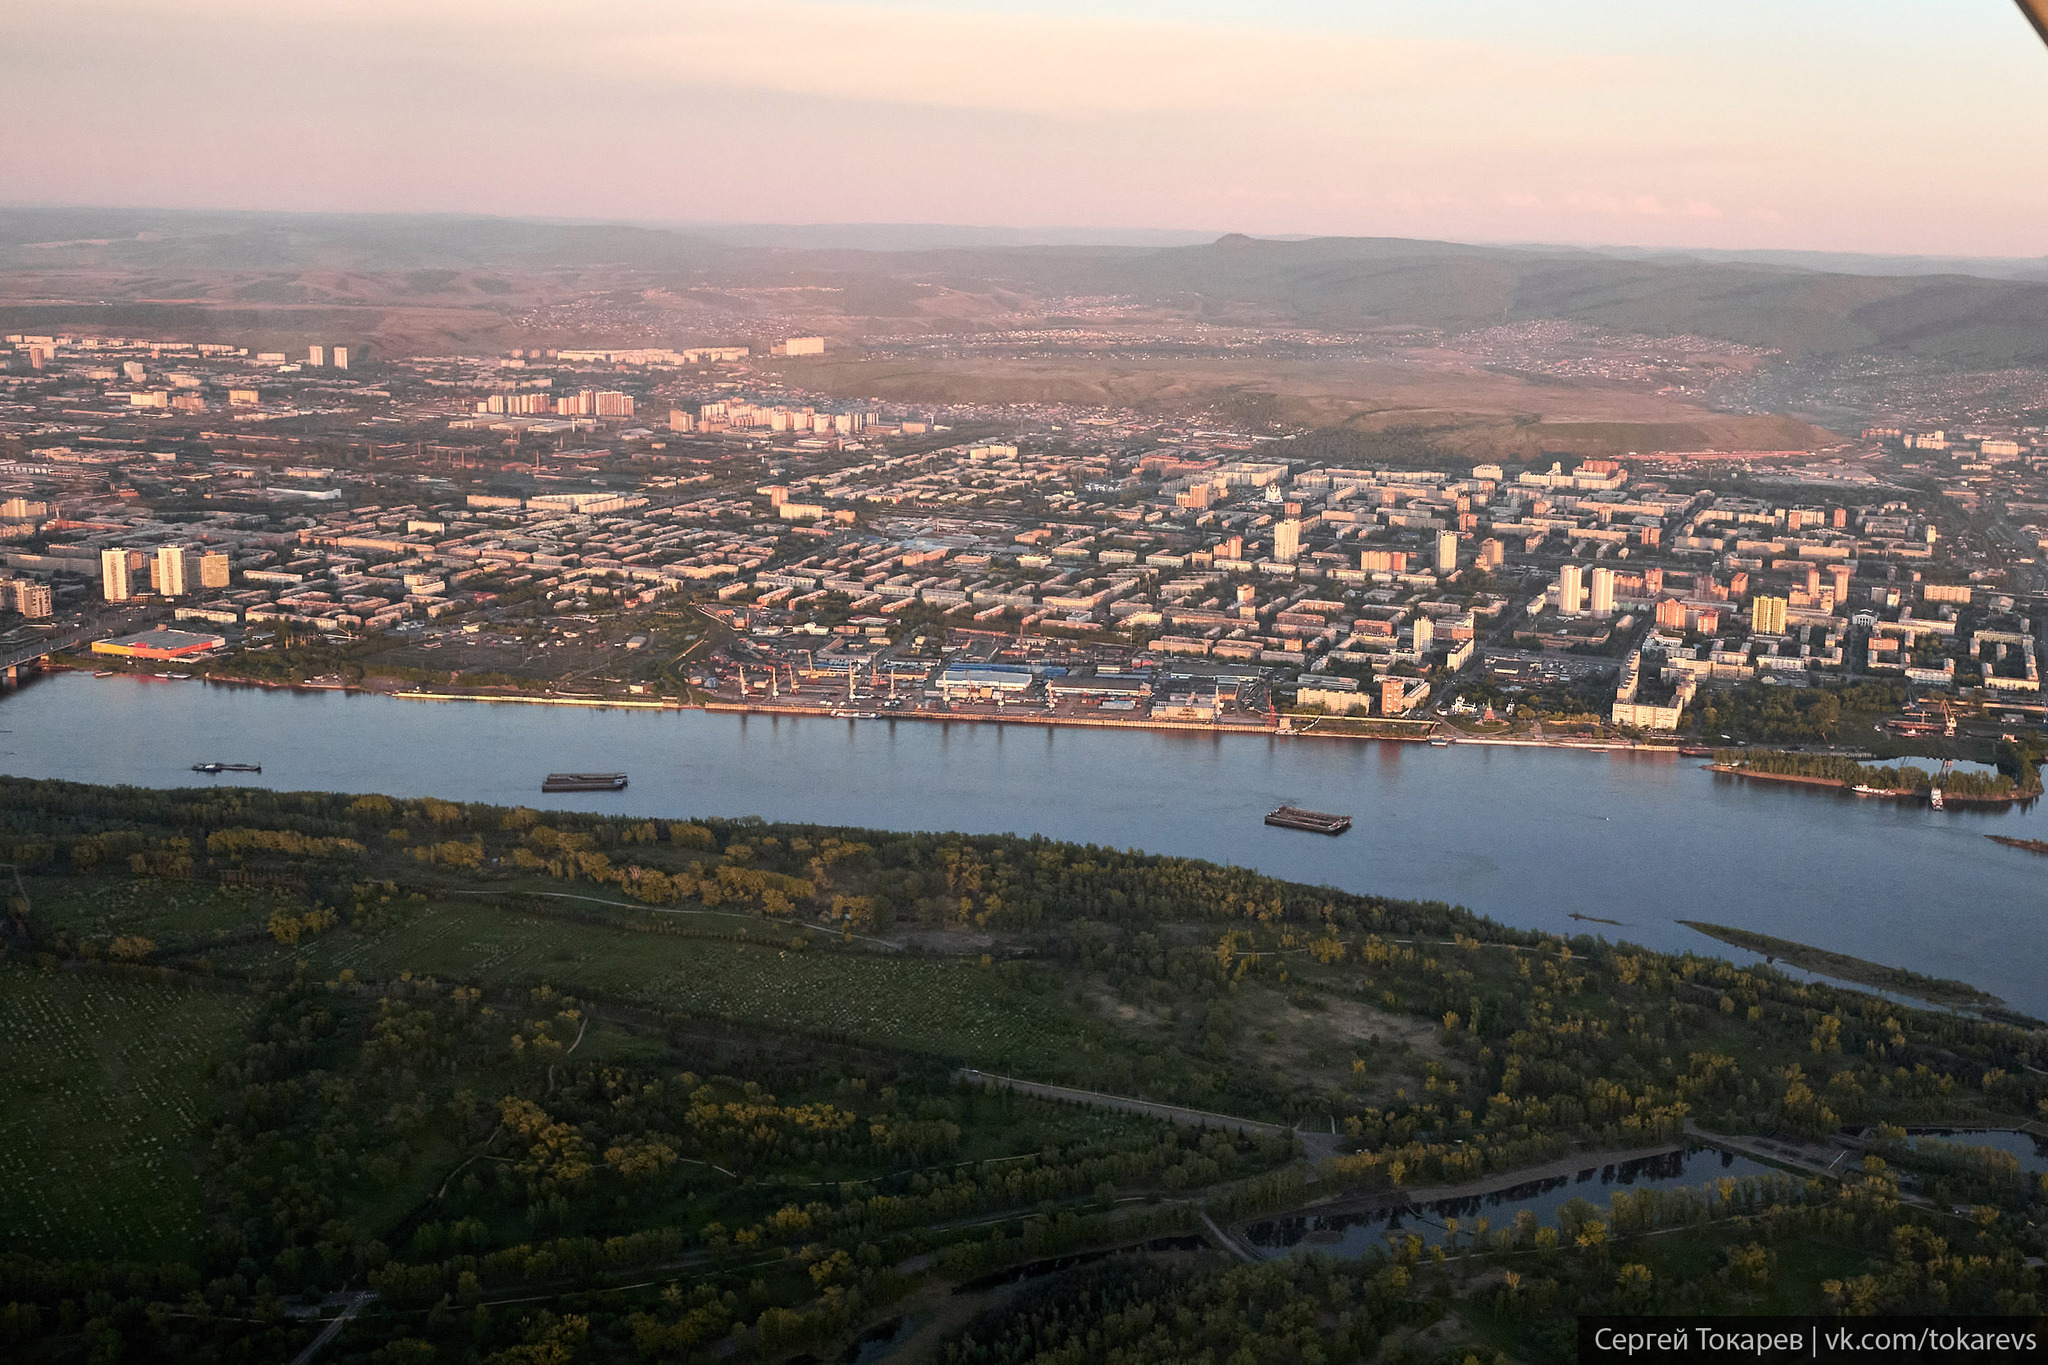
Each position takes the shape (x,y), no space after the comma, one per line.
(1832,127)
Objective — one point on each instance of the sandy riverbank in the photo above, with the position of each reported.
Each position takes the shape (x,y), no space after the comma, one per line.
(1798,779)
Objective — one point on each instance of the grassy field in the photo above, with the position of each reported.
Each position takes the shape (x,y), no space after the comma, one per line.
(104,1089)
(180,916)
(950,1006)
(748,971)
(1465,407)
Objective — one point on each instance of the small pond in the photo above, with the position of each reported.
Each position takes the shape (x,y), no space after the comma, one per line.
(1353,1234)
(2032,1151)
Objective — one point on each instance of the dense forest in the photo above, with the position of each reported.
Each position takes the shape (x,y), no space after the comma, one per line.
(506,1085)
(1759,711)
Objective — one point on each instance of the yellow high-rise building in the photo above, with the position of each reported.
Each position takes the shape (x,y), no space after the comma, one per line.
(1767,615)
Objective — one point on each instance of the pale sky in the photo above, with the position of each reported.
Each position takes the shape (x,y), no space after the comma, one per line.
(1856,125)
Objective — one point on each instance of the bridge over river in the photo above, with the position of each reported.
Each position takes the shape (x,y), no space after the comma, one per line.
(14,655)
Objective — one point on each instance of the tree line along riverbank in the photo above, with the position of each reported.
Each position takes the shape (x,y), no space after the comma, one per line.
(1934,990)
(2018,777)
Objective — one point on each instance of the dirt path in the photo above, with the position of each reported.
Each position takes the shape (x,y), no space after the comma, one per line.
(1228,1241)
(350,1309)
(1316,1146)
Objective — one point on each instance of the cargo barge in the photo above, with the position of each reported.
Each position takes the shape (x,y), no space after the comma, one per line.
(1314,821)
(584,782)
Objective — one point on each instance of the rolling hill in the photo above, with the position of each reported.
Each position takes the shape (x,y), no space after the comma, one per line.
(66,264)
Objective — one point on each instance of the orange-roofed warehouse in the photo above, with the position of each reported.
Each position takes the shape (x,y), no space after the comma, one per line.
(161,643)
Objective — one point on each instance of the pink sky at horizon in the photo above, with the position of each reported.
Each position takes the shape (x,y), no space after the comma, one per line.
(1829,125)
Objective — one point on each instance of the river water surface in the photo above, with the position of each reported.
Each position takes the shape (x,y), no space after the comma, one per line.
(1346,1235)
(1528,836)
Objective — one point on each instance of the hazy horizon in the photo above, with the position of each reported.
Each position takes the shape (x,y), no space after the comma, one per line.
(1832,126)
(914,235)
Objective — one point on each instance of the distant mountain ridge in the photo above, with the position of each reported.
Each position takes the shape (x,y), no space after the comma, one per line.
(929,236)
(1336,283)
(1360,282)
(157,238)
(1849,262)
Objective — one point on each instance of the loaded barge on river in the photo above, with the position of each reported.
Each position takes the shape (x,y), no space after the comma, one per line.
(1314,821)
(584,782)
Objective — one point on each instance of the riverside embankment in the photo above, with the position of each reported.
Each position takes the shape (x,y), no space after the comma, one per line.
(1531,836)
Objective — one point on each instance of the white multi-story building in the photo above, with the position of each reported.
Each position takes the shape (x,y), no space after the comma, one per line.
(34,600)
(115,585)
(1603,592)
(1569,593)
(171,571)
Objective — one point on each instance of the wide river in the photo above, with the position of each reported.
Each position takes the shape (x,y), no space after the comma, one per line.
(1528,836)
